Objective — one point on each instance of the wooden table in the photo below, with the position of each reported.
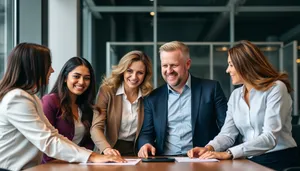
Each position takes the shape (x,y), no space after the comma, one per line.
(225,165)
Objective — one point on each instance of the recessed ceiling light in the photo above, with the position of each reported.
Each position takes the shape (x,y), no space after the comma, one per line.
(269,48)
(222,49)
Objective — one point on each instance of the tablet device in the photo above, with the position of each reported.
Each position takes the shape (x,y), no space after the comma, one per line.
(158,159)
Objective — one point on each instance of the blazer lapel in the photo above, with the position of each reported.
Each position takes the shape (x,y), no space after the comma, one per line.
(140,117)
(196,98)
(118,112)
(162,108)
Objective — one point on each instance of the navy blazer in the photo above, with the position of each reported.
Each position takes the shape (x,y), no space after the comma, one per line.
(209,106)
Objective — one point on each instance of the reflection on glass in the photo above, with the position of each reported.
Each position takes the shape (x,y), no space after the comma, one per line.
(6,31)
(2,38)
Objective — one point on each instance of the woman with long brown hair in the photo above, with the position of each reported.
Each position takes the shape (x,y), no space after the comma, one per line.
(25,132)
(70,105)
(259,111)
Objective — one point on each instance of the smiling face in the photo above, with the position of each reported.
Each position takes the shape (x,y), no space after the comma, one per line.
(235,76)
(134,75)
(78,80)
(174,68)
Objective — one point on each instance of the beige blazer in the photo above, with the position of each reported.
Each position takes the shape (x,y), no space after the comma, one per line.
(106,125)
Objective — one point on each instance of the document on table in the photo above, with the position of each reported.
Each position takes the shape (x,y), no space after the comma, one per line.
(129,162)
(187,159)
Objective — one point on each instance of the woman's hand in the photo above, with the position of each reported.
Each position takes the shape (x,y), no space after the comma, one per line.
(110,151)
(216,155)
(198,151)
(98,158)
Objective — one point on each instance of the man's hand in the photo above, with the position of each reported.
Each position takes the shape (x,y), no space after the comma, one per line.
(145,149)
(110,151)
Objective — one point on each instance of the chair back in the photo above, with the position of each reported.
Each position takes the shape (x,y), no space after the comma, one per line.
(292,169)
(2,169)
(296,135)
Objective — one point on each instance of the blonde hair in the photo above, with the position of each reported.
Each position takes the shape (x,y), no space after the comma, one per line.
(176,45)
(116,78)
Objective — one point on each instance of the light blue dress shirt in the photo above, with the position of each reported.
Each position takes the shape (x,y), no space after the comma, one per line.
(265,126)
(179,126)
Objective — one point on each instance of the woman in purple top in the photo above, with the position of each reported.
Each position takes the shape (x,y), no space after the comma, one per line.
(70,105)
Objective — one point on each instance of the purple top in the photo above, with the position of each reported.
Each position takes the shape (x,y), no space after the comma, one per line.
(51,107)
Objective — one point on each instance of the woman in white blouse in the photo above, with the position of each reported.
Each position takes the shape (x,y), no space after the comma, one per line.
(25,132)
(120,99)
(259,110)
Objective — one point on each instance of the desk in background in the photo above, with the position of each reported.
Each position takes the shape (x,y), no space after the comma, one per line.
(224,165)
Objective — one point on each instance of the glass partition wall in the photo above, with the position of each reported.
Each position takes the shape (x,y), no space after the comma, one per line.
(7,30)
(209,28)
(209,59)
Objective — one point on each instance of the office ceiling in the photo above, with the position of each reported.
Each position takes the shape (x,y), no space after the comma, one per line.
(208,26)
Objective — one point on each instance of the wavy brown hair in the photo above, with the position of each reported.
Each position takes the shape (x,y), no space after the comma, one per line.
(254,68)
(27,68)
(116,78)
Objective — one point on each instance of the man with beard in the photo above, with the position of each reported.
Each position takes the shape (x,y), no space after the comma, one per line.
(184,113)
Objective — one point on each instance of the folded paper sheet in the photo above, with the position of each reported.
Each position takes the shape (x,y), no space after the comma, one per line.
(187,159)
(129,162)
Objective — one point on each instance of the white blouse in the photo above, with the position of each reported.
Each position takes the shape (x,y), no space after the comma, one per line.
(265,126)
(129,120)
(79,128)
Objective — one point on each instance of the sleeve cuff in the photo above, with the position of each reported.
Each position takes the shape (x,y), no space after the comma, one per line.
(84,155)
(237,152)
(214,145)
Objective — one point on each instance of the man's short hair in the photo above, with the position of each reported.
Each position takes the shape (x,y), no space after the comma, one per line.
(175,45)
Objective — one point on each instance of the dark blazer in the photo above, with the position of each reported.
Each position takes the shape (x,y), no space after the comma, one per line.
(209,106)
(51,107)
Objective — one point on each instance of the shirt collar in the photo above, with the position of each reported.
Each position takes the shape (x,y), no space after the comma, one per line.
(242,90)
(187,85)
(121,91)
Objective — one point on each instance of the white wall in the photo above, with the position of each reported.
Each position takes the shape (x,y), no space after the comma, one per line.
(64,39)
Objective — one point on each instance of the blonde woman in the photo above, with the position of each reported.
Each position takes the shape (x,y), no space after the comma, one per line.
(120,99)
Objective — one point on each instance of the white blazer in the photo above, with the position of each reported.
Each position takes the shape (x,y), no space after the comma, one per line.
(25,134)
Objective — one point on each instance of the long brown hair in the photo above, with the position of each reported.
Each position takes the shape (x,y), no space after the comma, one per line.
(85,101)
(254,68)
(27,68)
(116,78)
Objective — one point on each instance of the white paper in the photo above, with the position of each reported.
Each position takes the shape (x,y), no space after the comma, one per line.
(129,162)
(187,159)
